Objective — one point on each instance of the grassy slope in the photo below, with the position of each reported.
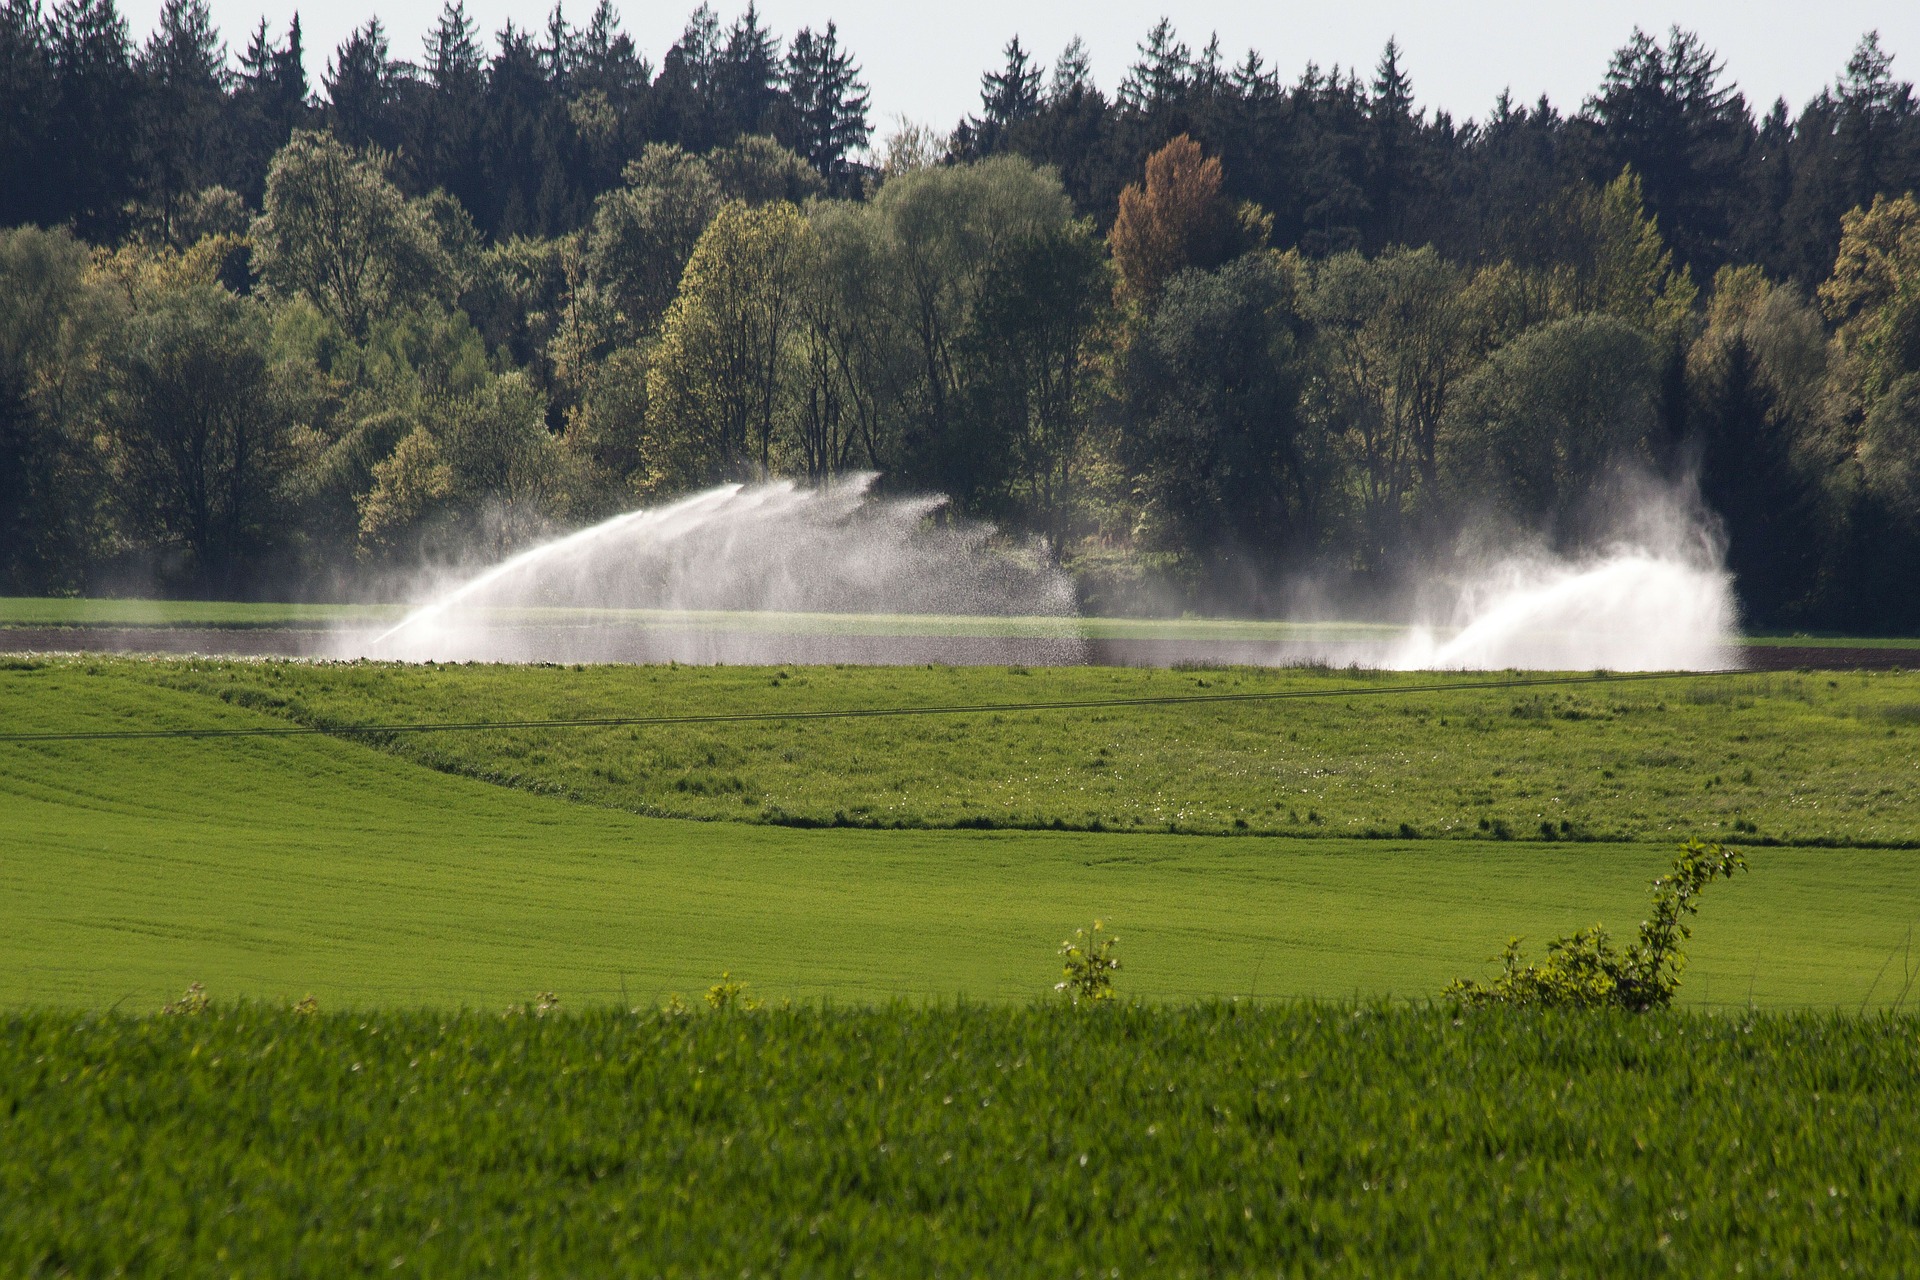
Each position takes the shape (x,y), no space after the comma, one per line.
(275,867)
(918,1142)
(1805,759)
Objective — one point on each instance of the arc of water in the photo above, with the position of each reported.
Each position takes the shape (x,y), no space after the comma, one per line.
(547,550)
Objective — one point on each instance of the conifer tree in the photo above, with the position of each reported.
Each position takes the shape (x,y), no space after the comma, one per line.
(827,103)
(748,78)
(183,71)
(1160,77)
(455,69)
(268,102)
(94,115)
(363,89)
(26,119)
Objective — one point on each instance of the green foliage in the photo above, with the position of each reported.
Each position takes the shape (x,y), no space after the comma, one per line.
(199,430)
(1088,965)
(336,230)
(1216,431)
(1034,330)
(1890,450)
(716,390)
(1873,295)
(1541,425)
(912,1140)
(1616,263)
(53,376)
(756,169)
(956,321)
(1395,334)
(730,994)
(1583,971)
(642,235)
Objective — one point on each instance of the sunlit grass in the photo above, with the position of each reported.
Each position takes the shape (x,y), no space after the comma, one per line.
(917,1141)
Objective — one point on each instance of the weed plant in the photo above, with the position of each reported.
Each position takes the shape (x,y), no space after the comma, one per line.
(1583,971)
(953,1140)
(1088,965)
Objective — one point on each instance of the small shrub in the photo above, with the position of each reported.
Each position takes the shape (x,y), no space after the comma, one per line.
(1088,965)
(1584,971)
(730,994)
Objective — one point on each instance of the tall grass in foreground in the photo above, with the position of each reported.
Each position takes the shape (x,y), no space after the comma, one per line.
(913,1141)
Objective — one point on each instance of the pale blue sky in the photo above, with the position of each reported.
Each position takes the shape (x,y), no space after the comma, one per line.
(923,61)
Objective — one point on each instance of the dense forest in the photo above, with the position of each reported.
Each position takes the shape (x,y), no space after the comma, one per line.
(1205,333)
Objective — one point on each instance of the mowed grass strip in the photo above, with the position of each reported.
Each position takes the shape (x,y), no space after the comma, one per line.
(1816,759)
(918,1141)
(280,867)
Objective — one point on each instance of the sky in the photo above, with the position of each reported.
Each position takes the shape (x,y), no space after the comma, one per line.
(923,60)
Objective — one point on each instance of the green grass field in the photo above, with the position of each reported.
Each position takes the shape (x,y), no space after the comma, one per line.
(276,867)
(1213,1140)
(917,1101)
(1787,758)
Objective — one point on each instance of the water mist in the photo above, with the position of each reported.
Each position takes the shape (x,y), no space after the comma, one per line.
(1655,596)
(738,573)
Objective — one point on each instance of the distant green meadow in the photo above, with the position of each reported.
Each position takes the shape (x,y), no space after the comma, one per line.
(1790,758)
(279,867)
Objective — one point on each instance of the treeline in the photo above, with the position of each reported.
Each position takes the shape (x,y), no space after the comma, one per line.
(115,140)
(1205,334)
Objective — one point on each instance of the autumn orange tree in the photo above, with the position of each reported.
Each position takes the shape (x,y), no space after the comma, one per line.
(1179,216)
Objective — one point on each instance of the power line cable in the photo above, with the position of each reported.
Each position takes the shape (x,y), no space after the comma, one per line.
(854,713)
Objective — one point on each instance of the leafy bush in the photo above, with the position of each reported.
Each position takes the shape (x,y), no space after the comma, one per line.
(1089,965)
(1585,972)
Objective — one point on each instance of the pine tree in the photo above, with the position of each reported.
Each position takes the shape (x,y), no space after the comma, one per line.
(687,91)
(606,58)
(1013,93)
(524,140)
(1072,71)
(827,102)
(748,78)
(562,48)
(446,149)
(1161,76)
(1874,134)
(1665,113)
(1394,135)
(1007,97)
(183,71)
(363,89)
(26,121)
(94,117)
(268,102)
(609,99)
